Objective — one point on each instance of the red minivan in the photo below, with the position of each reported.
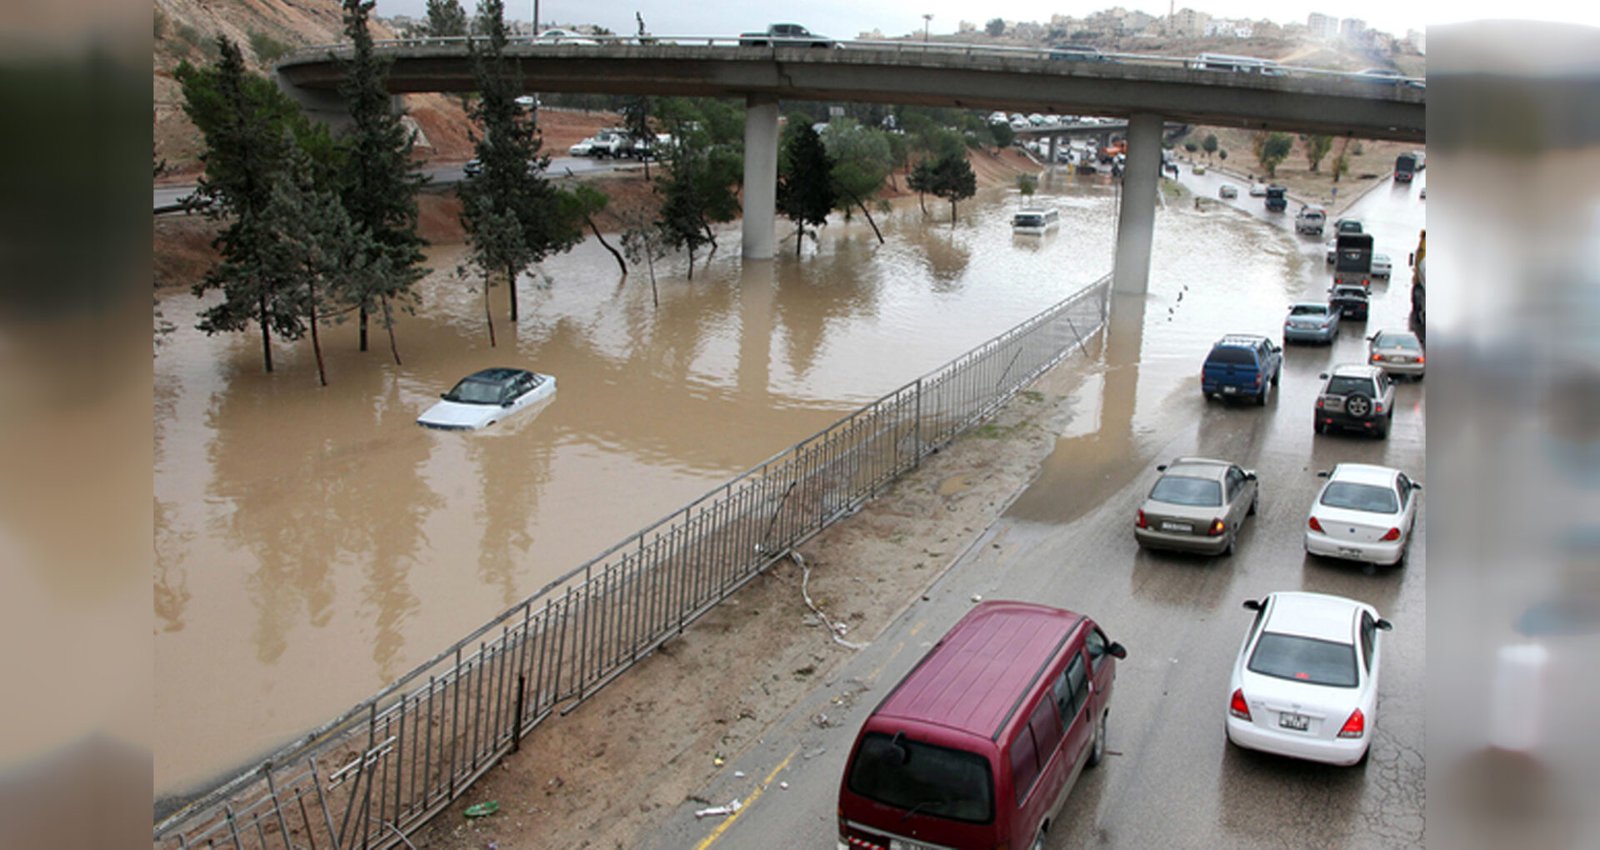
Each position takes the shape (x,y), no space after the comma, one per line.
(979,744)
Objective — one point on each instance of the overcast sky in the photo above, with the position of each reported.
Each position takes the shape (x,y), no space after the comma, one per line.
(847,18)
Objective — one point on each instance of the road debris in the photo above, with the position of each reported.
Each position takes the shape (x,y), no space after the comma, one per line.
(719,811)
(483,810)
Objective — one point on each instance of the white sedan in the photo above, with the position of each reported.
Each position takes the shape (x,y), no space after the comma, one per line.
(1381,265)
(486,397)
(1305,683)
(1364,513)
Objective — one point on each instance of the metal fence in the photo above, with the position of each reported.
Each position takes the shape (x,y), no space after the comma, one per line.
(378,772)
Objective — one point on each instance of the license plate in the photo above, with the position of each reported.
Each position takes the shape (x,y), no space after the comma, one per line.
(1184,527)
(1229,390)
(1347,551)
(902,844)
(1297,722)
(1333,403)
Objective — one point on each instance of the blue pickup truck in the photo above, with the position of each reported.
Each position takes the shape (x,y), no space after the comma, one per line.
(1242,366)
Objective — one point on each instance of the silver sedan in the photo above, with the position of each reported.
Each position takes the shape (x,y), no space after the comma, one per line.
(1397,352)
(1197,505)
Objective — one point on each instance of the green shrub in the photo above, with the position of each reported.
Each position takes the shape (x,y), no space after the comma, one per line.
(266,48)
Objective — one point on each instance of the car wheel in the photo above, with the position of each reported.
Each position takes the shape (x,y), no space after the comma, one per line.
(1364,754)
(1254,500)
(1277,375)
(1097,750)
(1358,406)
(1261,397)
(1227,551)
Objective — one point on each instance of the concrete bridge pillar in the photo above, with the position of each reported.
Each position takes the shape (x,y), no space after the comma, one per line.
(1136,224)
(1052,158)
(760,177)
(324,107)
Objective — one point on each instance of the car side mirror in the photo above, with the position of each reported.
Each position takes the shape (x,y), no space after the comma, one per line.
(1416,486)
(1252,605)
(1384,624)
(1322,473)
(1323,376)
(1117,650)
(1249,475)
(505,404)
(444,395)
(1161,467)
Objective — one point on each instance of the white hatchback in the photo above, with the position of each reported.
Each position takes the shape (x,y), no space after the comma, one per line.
(1305,683)
(486,397)
(1363,513)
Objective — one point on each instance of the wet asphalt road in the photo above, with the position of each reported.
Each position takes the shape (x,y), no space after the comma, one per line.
(1171,780)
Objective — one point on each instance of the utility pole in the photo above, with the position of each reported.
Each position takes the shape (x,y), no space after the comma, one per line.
(535,17)
(926,19)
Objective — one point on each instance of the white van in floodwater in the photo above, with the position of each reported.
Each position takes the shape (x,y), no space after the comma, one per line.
(1035,222)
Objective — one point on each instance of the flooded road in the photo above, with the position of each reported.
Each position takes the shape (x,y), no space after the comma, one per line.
(1170,779)
(314,544)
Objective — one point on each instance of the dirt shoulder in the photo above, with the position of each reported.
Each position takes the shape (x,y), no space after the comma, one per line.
(607,774)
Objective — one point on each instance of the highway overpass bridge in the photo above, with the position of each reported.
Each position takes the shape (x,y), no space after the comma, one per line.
(1146,91)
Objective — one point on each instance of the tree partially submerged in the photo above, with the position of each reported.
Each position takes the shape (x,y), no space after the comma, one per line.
(250,130)
(862,161)
(379,184)
(954,181)
(806,191)
(513,217)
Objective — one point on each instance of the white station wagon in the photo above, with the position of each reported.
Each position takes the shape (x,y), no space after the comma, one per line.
(486,397)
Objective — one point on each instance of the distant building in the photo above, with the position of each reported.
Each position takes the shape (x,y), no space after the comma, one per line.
(1323,27)
(966,27)
(1418,39)
(1351,29)
(1187,22)
(1230,29)
(874,35)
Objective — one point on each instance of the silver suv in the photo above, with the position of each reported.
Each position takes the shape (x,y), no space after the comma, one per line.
(1356,397)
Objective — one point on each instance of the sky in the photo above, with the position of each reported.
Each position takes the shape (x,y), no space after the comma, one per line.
(848,18)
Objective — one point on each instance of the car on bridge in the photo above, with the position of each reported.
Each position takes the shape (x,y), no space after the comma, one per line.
(1305,682)
(1077,53)
(1363,513)
(561,36)
(1197,505)
(785,35)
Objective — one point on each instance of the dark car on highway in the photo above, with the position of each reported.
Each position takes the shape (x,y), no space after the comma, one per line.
(1350,300)
(1241,366)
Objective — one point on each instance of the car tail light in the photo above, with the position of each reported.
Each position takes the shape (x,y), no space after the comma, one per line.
(1390,535)
(1315,526)
(1217,527)
(1237,707)
(1140,521)
(1376,357)
(1421,359)
(1319,402)
(1377,407)
(1258,379)
(1355,727)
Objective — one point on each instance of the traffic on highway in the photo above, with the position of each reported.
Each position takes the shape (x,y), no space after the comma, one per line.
(1269,650)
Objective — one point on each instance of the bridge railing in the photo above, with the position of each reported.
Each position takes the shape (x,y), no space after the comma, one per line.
(376,773)
(942,48)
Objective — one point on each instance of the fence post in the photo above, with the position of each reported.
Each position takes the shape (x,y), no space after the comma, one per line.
(916,439)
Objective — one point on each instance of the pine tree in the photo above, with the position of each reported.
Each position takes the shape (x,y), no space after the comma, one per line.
(250,129)
(806,192)
(512,215)
(379,184)
(446,18)
(636,114)
(321,252)
(954,181)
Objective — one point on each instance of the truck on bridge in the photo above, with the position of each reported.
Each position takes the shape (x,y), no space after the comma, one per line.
(785,35)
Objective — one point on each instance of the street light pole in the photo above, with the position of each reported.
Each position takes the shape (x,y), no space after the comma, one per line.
(535,17)
(926,19)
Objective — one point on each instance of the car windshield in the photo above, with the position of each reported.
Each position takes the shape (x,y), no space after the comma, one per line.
(474,391)
(1183,490)
(1360,497)
(1309,310)
(1303,659)
(1350,292)
(1347,384)
(929,779)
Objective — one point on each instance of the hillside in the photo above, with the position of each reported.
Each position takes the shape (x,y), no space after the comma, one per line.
(264,31)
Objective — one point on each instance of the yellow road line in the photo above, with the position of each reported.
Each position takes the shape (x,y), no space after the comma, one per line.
(744,805)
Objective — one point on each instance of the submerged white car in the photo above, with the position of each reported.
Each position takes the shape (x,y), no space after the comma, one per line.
(1364,513)
(1305,683)
(486,397)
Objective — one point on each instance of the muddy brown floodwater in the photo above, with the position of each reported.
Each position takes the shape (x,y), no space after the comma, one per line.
(314,544)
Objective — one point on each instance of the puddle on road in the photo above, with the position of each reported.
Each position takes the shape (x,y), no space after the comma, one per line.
(314,544)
